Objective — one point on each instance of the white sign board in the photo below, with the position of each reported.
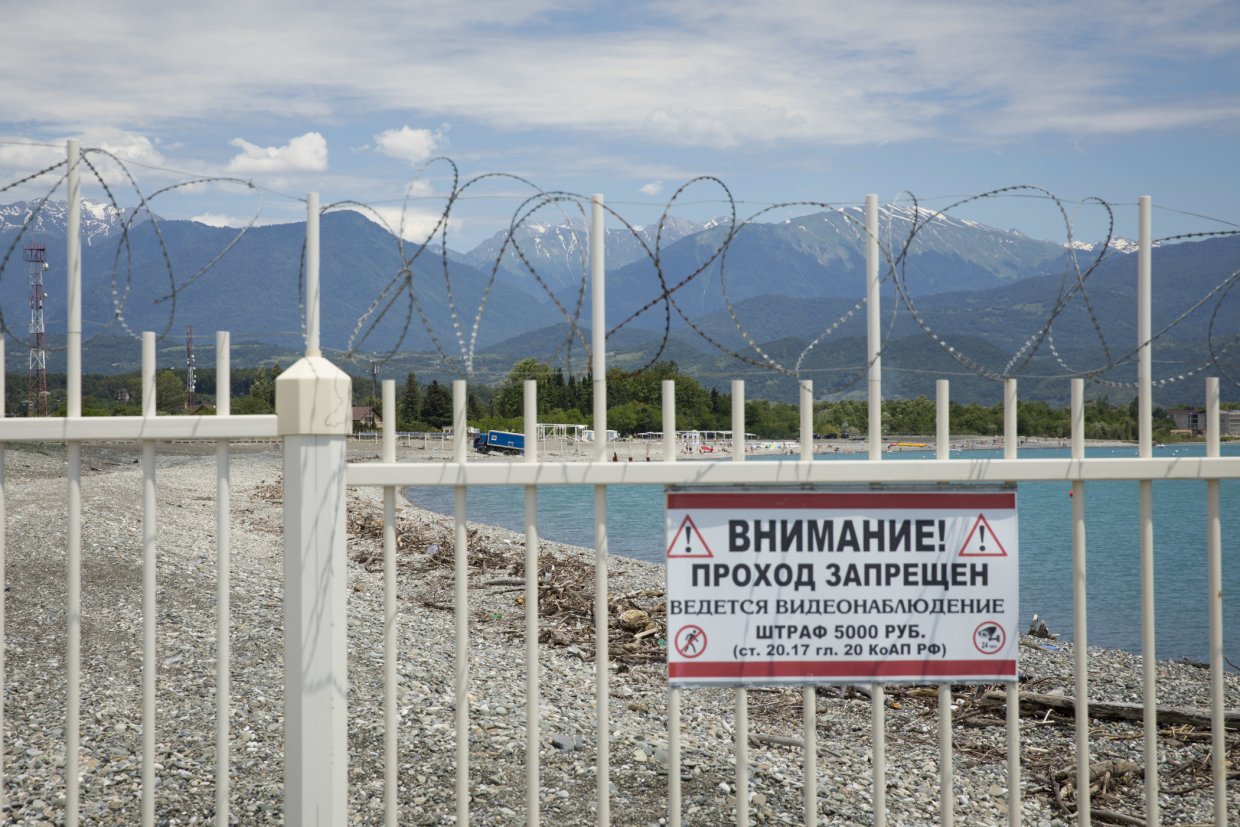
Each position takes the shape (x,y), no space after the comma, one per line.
(833,586)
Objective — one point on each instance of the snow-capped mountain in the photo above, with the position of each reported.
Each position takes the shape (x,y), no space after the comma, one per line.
(99,220)
(1119,245)
(561,252)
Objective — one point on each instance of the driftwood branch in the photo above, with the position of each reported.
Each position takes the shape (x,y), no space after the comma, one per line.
(1111,817)
(788,741)
(1034,703)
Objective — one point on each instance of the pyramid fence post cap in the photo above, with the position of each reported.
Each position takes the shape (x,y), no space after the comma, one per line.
(314,397)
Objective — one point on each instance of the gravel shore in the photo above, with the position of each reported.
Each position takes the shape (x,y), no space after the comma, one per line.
(34,694)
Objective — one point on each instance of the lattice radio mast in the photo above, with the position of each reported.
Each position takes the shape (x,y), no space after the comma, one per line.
(191,383)
(36,404)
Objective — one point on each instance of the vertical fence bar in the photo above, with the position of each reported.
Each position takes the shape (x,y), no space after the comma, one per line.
(874,360)
(73,451)
(602,643)
(312,281)
(73,298)
(873,329)
(942,419)
(391,756)
(947,797)
(223,603)
(742,698)
(1145,392)
(809,694)
(1149,662)
(313,399)
(532,691)
(460,436)
(149,541)
(1011,436)
(673,693)
(1012,696)
(1214,564)
(1080,640)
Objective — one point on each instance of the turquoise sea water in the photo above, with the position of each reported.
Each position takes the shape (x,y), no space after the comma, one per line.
(635,529)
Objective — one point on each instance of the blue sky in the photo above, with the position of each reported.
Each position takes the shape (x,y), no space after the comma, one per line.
(783,100)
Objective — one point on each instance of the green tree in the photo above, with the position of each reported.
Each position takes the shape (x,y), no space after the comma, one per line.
(170,392)
(909,416)
(437,406)
(409,409)
(260,396)
(509,400)
(633,418)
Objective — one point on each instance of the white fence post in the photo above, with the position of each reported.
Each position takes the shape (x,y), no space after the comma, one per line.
(602,645)
(1080,646)
(809,694)
(1011,438)
(1214,602)
(947,770)
(742,697)
(670,447)
(313,408)
(150,541)
(73,454)
(1145,496)
(223,583)
(875,438)
(532,691)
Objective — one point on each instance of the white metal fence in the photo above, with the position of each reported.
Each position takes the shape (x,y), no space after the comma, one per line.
(313,420)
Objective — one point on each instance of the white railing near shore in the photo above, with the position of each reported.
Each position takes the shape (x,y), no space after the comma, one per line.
(148,430)
(313,420)
(1076,469)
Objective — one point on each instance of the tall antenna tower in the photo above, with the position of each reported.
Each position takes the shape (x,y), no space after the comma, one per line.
(36,404)
(191,383)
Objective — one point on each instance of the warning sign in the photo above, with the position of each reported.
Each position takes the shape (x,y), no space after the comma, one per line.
(688,541)
(819,586)
(690,641)
(989,637)
(981,541)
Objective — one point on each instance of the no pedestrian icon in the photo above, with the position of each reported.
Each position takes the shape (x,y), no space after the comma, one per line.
(688,541)
(982,541)
(690,641)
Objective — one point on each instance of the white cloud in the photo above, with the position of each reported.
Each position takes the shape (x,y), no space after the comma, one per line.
(411,224)
(653,188)
(220,220)
(686,72)
(305,153)
(412,145)
(28,157)
(126,146)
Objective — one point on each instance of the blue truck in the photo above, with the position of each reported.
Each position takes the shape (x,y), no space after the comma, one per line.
(502,441)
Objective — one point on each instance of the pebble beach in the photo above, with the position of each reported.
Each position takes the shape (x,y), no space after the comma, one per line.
(34,680)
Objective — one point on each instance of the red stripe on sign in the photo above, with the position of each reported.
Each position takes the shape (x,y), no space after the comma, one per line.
(844,669)
(840,500)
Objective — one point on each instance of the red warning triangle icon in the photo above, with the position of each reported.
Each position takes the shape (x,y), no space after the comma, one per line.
(982,541)
(688,541)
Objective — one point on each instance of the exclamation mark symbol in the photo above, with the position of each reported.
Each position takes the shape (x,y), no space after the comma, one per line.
(981,533)
(688,539)
(942,533)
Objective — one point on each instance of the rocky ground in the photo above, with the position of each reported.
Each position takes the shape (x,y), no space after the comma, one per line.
(111,684)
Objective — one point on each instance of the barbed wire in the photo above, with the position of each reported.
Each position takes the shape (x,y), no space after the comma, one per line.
(400,304)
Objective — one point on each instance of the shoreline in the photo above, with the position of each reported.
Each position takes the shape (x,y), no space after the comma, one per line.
(414,449)
(186,684)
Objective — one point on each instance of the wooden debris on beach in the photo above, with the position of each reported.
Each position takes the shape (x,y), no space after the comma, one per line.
(1033,703)
(637,620)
